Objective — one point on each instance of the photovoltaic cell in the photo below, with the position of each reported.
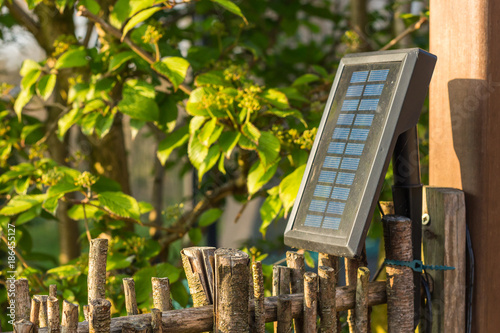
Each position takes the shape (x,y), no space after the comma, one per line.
(373,90)
(322,191)
(359,76)
(336,148)
(327,176)
(345,178)
(340,193)
(354,91)
(335,207)
(350,105)
(364,120)
(378,75)
(317,206)
(331,162)
(368,105)
(341,133)
(350,163)
(331,223)
(354,149)
(359,134)
(313,221)
(345,119)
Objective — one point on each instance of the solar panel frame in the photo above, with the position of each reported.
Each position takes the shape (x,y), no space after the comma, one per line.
(350,243)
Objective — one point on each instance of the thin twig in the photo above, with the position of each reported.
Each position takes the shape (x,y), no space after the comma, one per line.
(409,30)
(86,223)
(23,17)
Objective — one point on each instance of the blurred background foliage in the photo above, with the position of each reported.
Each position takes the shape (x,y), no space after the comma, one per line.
(215,99)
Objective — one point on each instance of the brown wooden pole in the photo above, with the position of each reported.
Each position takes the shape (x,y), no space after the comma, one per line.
(86,312)
(35,314)
(96,280)
(23,299)
(259,322)
(361,312)
(99,316)
(69,322)
(310,301)
(161,293)
(332,261)
(296,262)
(130,299)
(198,267)
(42,316)
(23,326)
(284,314)
(231,291)
(53,315)
(53,290)
(156,323)
(327,304)
(351,276)
(398,246)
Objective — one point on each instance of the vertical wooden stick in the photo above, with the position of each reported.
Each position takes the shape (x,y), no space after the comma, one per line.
(258,292)
(69,323)
(281,283)
(398,246)
(96,280)
(86,312)
(284,314)
(53,290)
(23,326)
(327,302)
(198,274)
(53,314)
(332,261)
(35,314)
(361,311)
(161,293)
(310,301)
(130,300)
(295,261)
(99,316)
(351,271)
(156,323)
(140,328)
(23,299)
(231,291)
(43,319)
(128,328)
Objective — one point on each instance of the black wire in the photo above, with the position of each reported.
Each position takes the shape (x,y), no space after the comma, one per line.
(470,286)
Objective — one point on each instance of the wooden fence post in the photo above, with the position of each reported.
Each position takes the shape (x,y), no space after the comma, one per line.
(327,304)
(99,316)
(156,323)
(198,266)
(310,301)
(398,246)
(35,314)
(23,300)
(284,314)
(362,319)
(130,300)
(53,290)
(351,272)
(53,314)
(259,321)
(161,293)
(43,319)
(69,322)
(96,280)
(295,261)
(231,291)
(23,326)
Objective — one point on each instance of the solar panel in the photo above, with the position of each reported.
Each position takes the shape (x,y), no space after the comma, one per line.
(374,98)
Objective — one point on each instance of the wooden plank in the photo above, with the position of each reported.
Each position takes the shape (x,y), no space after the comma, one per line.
(444,244)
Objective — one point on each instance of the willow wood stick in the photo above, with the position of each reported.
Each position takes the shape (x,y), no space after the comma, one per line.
(351,272)
(328,260)
(43,319)
(281,283)
(23,326)
(259,322)
(53,290)
(86,312)
(156,324)
(194,264)
(53,314)
(361,313)
(284,324)
(327,305)
(296,262)
(310,301)
(96,280)
(69,322)
(99,316)
(200,319)
(35,314)
(130,299)
(161,293)
(23,299)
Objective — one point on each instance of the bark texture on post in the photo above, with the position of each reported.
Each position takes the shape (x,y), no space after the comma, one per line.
(161,293)
(361,313)
(43,319)
(53,315)
(284,314)
(398,246)
(23,300)
(198,266)
(156,324)
(130,300)
(53,290)
(69,323)
(231,291)
(310,301)
(351,273)
(35,314)
(327,304)
(295,261)
(96,280)
(23,326)
(259,322)
(99,316)
(86,312)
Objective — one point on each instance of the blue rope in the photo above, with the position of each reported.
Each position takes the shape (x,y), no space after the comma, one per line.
(417,265)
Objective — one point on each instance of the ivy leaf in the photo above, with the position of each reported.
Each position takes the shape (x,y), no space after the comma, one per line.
(268,148)
(139,101)
(275,98)
(21,203)
(229,140)
(45,86)
(72,58)
(289,187)
(259,175)
(269,210)
(172,141)
(119,59)
(230,6)
(120,204)
(139,18)
(174,68)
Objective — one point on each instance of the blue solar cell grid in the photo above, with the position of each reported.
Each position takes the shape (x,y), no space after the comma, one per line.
(345,149)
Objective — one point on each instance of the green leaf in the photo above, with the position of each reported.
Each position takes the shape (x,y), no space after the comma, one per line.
(259,176)
(119,59)
(145,207)
(168,270)
(139,18)
(28,66)
(196,151)
(88,123)
(209,161)
(289,187)
(66,121)
(321,71)
(172,141)
(215,78)
(22,184)
(168,115)
(229,140)
(72,58)
(174,68)
(30,79)
(305,79)
(65,272)
(22,99)
(61,189)
(117,261)
(46,85)
(195,235)
(268,212)
(76,212)
(120,204)
(251,132)
(230,6)
(28,215)
(308,259)
(91,5)
(123,9)
(205,134)
(142,279)
(268,148)
(197,102)
(209,217)
(275,98)
(21,203)
(245,143)
(195,123)
(139,101)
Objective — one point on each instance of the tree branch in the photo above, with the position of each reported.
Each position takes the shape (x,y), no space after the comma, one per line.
(409,30)
(82,11)
(22,17)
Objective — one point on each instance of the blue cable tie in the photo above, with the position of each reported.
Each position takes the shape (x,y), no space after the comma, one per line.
(417,265)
